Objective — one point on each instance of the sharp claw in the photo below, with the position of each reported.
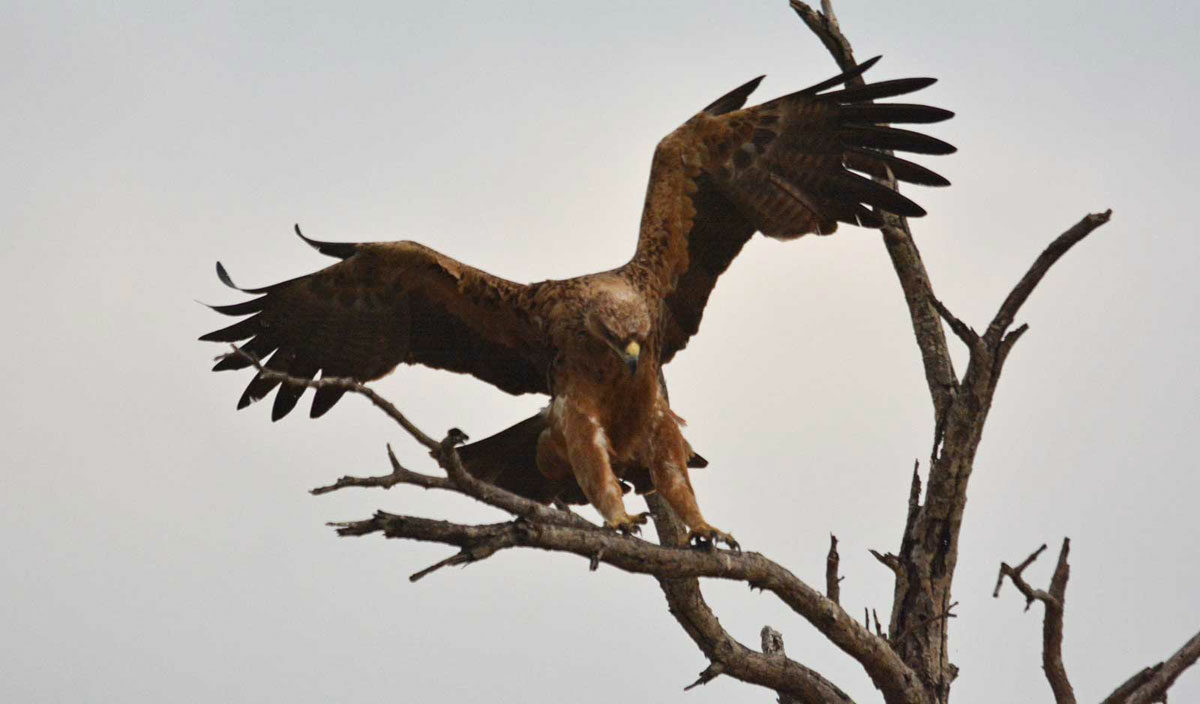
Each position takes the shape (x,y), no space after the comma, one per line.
(707,539)
(628,525)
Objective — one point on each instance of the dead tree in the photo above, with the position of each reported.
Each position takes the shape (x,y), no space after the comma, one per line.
(908,662)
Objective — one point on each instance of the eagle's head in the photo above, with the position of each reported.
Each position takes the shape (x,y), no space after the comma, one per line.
(620,319)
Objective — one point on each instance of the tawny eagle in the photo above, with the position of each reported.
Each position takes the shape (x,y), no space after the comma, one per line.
(595,344)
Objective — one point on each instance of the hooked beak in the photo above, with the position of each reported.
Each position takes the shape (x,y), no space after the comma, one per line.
(630,354)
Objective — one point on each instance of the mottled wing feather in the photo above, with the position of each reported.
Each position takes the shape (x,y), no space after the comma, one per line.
(795,165)
(383,305)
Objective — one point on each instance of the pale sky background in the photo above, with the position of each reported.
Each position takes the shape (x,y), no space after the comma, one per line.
(159,546)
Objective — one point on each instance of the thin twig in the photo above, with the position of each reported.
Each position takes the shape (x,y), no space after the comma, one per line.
(1020,293)
(709,674)
(399,475)
(964,332)
(1054,602)
(888,560)
(1014,573)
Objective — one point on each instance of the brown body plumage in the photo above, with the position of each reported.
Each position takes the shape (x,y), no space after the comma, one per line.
(595,344)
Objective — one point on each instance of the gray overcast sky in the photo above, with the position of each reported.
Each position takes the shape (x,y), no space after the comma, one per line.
(160,547)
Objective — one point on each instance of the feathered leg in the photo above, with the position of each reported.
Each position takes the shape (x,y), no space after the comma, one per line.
(587,450)
(668,455)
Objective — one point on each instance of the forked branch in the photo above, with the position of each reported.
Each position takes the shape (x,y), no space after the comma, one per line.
(925,564)
(1020,293)
(1054,601)
(1144,687)
(1151,684)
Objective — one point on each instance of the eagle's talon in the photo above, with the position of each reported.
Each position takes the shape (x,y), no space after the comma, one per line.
(706,538)
(627,524)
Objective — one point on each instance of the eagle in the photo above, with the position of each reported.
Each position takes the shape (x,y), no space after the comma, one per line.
(596,344)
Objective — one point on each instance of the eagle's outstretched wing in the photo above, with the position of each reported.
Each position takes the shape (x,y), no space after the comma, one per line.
(384,304)
(788,167)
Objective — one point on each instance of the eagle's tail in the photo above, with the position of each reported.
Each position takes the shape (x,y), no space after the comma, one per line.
(508,460)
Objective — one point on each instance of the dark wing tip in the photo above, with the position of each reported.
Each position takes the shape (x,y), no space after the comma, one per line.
(734,99)
(892,113)
(253,305)
(280,410)
(340,250)
(841,78)
(864,66)
(224,277)
(881,89)
(324,399)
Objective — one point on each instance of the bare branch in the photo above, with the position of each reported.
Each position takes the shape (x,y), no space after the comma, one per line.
(833,588)
(772,645)
(1006,345)
(676,569)
(888,560)
(1014,573)
(914,495)
(399,475)
(772,641)
(925,564)
(964,332)
(824,24)
(1052,622)
(464,557)
(707,675)
(1152,683)
(1020,293)
(792,681)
